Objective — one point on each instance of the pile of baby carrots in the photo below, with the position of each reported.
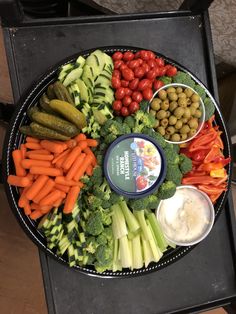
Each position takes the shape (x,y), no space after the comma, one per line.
(48,173)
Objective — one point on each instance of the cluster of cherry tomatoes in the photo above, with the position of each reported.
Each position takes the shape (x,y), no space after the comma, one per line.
(135,77)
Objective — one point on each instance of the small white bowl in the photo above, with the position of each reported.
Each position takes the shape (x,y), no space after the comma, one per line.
(176,207)
(201,120)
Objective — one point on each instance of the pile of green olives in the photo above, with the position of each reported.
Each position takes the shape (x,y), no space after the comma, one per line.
(177,111)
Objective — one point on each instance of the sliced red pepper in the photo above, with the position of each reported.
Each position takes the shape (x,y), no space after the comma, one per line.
(203,142)
(211,189)
(203,180)
(218,141)
(214,165)
(213,153)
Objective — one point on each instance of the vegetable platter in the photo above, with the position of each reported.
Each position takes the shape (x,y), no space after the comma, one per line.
(53,162)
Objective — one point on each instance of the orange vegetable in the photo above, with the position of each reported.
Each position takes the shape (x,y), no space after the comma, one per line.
(70,159)
(28,163)
(18,181)
(80,137)
(62,188)
(91,142)
(88,151)
(23,199)
(49,171)
(54,147)
(46,209)
(71,199)
(49,185)
(89,170)
(58,202)
(36,187)
(71,143)
(60,156)
(30,139)
(80,184)
(27,208)
(36,214)
(62,159)
(23,150)
(63,181)
(81,170)
(83,144)
(33,145)
(50,198)
(17,158)
(39,151)
(40,156)
(75,167)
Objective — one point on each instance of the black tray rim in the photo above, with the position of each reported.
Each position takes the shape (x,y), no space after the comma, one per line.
(12,140)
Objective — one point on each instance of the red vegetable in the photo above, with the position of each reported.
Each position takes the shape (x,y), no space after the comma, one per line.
(133,107)
(141,182)
(117,56)
(137,96)
(147,93)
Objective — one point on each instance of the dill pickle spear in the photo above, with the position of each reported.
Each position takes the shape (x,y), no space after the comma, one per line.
(44,103)
(69,112)
(62,93)
(45,132)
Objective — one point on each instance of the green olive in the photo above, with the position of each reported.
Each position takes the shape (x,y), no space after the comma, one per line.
(175,137)
(170,90)
(172,96)
(168,113)
(173,105)
(182,95)
(188,101)
(161,114)
(179,112)
(172,120)
(161,130)
(185,129)
(187,113)
(167,136)
(156,104)
(152,112)
(179,90)
(192,132)
(195,98)
(198,114)
(182,102)
(195,105)
(165,104)
(162,94)
(192,110)
(170,130)
(184,120)
(183,137)
(157,123)
(164,122)
(178,124)
(193,123)
(188,92)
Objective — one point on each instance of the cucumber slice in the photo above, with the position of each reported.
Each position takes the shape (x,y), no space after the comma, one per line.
(80,62)
(65,70)
(100,57)
(84,93)
(93,62)
(72,76)
(75,93)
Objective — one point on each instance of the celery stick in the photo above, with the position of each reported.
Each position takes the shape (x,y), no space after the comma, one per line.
(157,231)
(137,252)
(119,227)
(152,241)
(131,221)
(125,254)
(139,214)
(147,252)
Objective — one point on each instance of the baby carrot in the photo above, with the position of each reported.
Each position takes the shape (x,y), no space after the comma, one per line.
(36,214)
(71,158)
(81,170)
(38,151)
(33,145)
(30,176)
(80,184)
(62,159)
(71,143)
(36,187)
(48,171)
(23,150)
(49,185)
(75,167)
(63,181)
(45,209)
(60,156)
(54,147)
(91,142)
(58,202)
(83,144)
(71,199)
(28,163)
(30,139)
(62,188)
(27,208)
(80,137)
(50,198)
(40,156)
(88,151)
(18,181)
(23,199)
(17,158)
(89,170)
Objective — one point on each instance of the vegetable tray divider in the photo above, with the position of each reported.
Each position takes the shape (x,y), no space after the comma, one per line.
(34,48)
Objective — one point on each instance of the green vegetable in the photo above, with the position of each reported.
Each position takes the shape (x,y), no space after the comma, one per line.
(166,190)
(201,91)
(174,174)
(183,78)
(171,156)
(119,227)
(137,252)
(148,202)
(160,239)
(209,108)
(131,221)
(185,164)
(94,225)
(104,254)
(166,79)
(125,252)
(143,119)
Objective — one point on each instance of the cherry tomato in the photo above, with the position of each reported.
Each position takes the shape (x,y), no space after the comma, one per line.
(137,55)
(151,75)
(115,82)
(128,55)
(171,71)
(122,67)
(160,62)
(134,84)
(118,63)
(124,83)
(120,93)
(144,55)
(117,56)
(146,67)
(157,69)
(128,91)
(162,71)
(141,182)
(128,74)
(151,55)
(117,105)
(134,64)
(158,84)
(133,107)
(147,93)
(152,63)
(167,66)
(139,72)
(124,111)
(116,73)
(145,83)
(137,96)
(126,100)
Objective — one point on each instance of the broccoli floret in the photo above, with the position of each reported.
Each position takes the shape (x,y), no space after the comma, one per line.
(183,78)
(115,198)
(156,136)
(106,216)
(94,224)
(92,128)
(148,202)
(166,190)
(87,182)
(144,104)
(185,164)
(171,156)
(126,129)
(174,174)
(103,191)
(118,119)
(108,233)
(101,268)
(112,127)
(102,239)
(130,121)
(165,79)
(209,108)
(93,201)
(201,91)
(109,138)
(90,245)
(143,119)
(97,177)
(91,259)
(104,255)
(176,148)
(100,158)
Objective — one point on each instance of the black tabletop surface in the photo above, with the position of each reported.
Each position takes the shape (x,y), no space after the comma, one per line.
(201,278)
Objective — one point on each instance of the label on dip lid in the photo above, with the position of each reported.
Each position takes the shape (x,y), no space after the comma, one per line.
(134,165)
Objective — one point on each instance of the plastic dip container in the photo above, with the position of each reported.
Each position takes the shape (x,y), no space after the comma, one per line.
(134,165)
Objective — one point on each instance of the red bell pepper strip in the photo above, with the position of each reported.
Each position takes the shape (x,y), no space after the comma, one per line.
(213,153)
(211,189)
(214,165)
(203,180)
(203,142)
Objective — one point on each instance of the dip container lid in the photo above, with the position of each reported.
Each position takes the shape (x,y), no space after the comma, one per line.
(134,165)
